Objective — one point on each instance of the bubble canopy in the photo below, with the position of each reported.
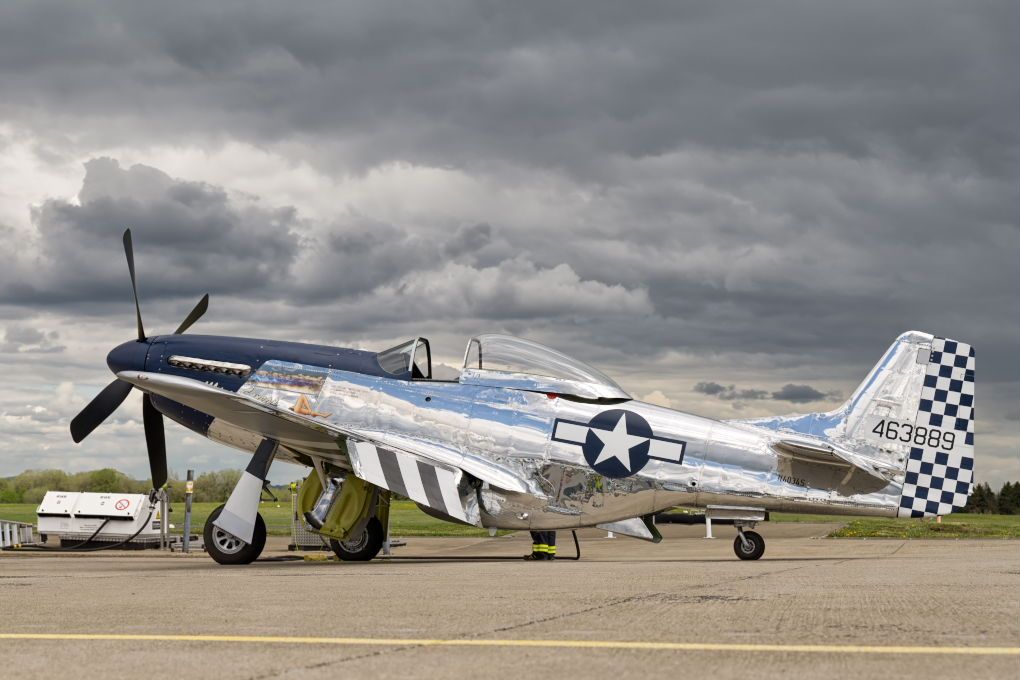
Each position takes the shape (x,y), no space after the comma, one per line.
(516,363)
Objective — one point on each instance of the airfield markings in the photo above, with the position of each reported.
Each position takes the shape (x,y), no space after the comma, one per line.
(552,644)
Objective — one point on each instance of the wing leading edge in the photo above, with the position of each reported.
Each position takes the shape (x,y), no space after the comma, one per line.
(426,472)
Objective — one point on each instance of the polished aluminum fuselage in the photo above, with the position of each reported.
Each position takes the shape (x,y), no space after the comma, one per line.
(723,463)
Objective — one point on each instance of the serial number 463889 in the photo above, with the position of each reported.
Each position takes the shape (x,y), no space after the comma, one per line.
(919,435)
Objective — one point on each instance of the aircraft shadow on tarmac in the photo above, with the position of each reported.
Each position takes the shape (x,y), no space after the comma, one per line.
(433,559)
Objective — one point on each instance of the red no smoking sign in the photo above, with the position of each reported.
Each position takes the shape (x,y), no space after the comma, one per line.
(122,504)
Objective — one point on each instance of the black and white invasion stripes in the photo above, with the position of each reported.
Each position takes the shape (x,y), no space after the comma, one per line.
(408,476)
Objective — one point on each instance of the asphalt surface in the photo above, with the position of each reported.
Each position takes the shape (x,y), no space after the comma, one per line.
(443,608)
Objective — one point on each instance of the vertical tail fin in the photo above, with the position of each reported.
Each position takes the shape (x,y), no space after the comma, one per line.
(918,404)
(914,412)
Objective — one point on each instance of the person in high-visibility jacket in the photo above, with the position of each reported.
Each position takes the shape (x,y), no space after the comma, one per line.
(543,546)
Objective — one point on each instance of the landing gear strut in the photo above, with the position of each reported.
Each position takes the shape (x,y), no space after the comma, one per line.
(235,532)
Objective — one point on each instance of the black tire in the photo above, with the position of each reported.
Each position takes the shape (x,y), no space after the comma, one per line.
(757,547)
(227,549)
(364,547)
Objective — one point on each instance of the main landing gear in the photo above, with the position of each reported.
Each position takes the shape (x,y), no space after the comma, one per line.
(225,548)
(363,547)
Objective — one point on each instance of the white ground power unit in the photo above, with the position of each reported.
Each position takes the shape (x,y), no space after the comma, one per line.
(74,516)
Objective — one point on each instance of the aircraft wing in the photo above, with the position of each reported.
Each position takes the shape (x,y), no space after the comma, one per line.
(424,482)
(424,471)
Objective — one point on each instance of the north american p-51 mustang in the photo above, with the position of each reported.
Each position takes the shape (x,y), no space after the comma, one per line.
(529,438)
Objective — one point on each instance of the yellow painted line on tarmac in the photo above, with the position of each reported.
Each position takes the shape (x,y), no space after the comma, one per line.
(552,644)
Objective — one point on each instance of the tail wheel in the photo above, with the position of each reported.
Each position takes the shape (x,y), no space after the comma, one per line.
(749,545)
(363,547)
(229,549)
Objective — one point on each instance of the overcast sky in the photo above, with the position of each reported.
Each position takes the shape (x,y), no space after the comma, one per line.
(731,208)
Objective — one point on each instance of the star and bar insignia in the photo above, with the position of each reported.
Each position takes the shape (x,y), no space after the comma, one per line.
(618,443)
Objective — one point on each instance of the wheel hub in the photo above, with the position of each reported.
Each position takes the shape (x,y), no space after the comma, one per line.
(356,544)
(227,543)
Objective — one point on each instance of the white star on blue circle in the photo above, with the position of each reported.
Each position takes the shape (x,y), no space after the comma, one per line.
(617,443)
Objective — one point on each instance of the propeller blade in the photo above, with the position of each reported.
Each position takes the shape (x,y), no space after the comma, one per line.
(195,315)
(155,441)
(129,251)
(99,409)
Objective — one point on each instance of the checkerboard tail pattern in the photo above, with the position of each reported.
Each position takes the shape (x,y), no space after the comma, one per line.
(938,479)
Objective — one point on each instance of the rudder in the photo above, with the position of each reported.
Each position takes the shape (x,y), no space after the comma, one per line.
(940,471)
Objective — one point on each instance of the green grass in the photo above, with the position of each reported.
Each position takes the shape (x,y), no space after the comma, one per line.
(18,512)
(952,526)
(796,517)
(405,519)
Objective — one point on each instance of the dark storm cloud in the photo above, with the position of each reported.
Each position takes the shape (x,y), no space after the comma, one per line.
(729,392)
(799,394)
(467,240)
(475,82)
(24,339)
(191,237)
(712,389)
(187,232)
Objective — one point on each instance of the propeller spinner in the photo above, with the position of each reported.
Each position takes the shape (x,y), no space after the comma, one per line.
(132,354)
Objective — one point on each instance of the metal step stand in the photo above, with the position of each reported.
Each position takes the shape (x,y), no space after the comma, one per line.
(301,537)
(16,534)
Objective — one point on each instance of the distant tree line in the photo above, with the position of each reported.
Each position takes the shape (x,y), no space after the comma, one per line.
(31,485)
(985,501)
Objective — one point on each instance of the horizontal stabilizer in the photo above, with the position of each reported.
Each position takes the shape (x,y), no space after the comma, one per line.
(826,454)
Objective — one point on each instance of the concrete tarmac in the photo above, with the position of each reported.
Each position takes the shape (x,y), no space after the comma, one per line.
(446,607)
